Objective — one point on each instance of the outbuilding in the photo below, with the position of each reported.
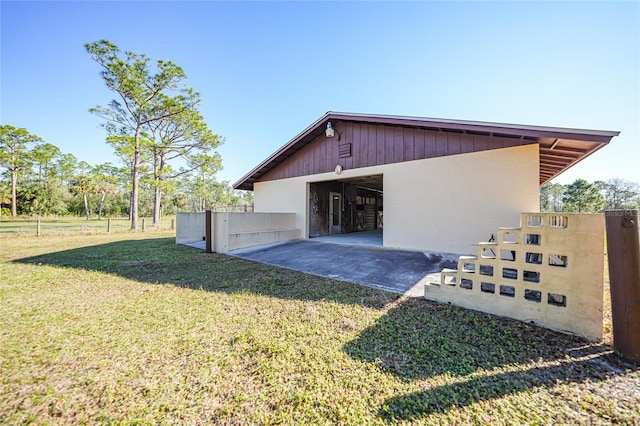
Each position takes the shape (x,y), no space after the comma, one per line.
(425,184)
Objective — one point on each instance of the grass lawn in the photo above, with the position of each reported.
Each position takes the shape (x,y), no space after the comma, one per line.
(27,226)
(130,328)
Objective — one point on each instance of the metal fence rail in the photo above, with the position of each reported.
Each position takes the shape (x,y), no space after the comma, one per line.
(74,226)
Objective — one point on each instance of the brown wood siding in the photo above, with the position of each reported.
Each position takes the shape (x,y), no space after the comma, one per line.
(375,145)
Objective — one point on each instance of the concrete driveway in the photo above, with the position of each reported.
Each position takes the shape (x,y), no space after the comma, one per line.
(398,271)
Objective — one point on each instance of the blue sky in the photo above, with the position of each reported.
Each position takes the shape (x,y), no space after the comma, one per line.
(266,70)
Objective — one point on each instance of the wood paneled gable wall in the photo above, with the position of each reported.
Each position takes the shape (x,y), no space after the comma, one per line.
(375,144)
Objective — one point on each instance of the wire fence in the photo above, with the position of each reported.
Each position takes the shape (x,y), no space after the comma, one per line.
(246,208)
(75,226)
(28,226)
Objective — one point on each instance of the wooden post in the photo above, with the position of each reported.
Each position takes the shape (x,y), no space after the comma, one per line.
(208,227)
(109,226)
(38,227)
(623,248)
(173,224)
(143,223)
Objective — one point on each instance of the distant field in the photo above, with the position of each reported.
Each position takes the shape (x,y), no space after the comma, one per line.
(69,226)
(130,328)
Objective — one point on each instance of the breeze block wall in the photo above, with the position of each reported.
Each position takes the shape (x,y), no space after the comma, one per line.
(549,271)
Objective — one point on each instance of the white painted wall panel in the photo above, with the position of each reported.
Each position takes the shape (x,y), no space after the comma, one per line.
(440,204)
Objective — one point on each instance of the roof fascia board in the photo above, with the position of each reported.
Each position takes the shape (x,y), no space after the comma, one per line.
(283,149)
(479,126)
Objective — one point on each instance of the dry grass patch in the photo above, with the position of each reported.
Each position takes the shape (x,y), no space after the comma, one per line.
(131,328)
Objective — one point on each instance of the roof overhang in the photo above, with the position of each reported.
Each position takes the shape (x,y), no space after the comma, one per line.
(560,148)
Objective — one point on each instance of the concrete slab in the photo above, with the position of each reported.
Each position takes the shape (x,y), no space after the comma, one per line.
(398,271)
(363,238)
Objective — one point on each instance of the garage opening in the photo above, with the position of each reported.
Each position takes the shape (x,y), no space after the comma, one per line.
(346,206)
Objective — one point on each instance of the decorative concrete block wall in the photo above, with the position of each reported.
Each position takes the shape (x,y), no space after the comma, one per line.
(550,271)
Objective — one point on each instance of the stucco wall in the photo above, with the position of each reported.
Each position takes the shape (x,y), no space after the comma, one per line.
(549,270)
(190,227)
(241,230)
(440,204)
(285,196)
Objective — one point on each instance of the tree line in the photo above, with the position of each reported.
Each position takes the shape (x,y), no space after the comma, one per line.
(590,197)
(168,153)
(37,178)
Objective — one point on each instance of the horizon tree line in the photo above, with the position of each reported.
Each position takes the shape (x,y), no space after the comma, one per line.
(582,196)
(37,178)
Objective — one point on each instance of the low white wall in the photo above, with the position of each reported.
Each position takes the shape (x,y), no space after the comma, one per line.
(233,231)
(241,222)
(438,204)
(190,227)
(554,278)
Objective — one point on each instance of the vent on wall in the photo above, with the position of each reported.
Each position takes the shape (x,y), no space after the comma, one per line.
(345,150)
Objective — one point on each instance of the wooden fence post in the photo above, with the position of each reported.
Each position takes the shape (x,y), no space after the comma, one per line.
(208,228)
(173,224)
(143,224)
(109,226)
(623,248)
(38,227)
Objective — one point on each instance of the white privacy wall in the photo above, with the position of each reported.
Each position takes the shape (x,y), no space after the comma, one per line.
(439,204)
(190,227)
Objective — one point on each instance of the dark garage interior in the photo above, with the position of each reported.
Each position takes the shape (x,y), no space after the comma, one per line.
(345,205)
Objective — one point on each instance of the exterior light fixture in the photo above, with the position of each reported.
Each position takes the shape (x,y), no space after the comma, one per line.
(330,131)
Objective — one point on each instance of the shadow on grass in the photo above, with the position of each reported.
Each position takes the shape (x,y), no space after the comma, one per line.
(419,339)
(161,261)
(451,396)
(415,339)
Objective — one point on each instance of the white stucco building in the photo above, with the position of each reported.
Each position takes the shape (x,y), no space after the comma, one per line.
(426,184)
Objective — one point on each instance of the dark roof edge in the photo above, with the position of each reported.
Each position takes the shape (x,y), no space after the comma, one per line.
(453,123)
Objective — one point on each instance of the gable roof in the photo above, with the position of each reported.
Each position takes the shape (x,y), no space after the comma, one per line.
(560,148)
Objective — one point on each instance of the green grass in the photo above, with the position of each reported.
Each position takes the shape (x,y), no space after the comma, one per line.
(27,226)
(130,328)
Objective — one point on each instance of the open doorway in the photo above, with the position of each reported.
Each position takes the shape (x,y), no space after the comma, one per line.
(335,213)
(345,206)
